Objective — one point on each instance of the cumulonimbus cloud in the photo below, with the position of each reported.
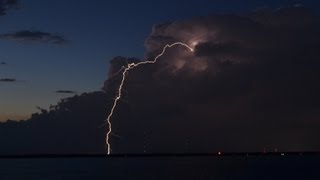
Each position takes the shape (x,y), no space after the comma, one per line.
(34,36)
(251,77)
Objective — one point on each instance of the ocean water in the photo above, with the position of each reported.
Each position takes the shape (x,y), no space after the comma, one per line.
(184,168)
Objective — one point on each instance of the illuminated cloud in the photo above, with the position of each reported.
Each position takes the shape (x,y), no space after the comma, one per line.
(232,38)
(6,5)
(34,36)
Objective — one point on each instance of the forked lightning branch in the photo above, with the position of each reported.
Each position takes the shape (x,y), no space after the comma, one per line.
(124,75)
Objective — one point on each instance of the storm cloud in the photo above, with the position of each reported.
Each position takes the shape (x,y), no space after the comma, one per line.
(251,83)
(34,36)
(70,127)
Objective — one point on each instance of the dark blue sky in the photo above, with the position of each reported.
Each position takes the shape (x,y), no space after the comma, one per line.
(96,31)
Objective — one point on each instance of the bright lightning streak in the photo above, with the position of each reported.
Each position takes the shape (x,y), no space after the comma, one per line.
(124,75)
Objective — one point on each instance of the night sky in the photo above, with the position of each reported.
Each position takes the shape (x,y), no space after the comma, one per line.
(252,82)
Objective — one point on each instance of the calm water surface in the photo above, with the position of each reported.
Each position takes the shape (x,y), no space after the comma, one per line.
(184,168)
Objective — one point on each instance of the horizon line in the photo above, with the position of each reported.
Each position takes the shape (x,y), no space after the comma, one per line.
(132,155)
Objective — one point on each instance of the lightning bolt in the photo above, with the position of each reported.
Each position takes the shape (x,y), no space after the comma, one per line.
(124,75)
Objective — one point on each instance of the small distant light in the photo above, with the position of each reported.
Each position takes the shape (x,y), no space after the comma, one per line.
(264,150)
(282,154)
(219,153)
